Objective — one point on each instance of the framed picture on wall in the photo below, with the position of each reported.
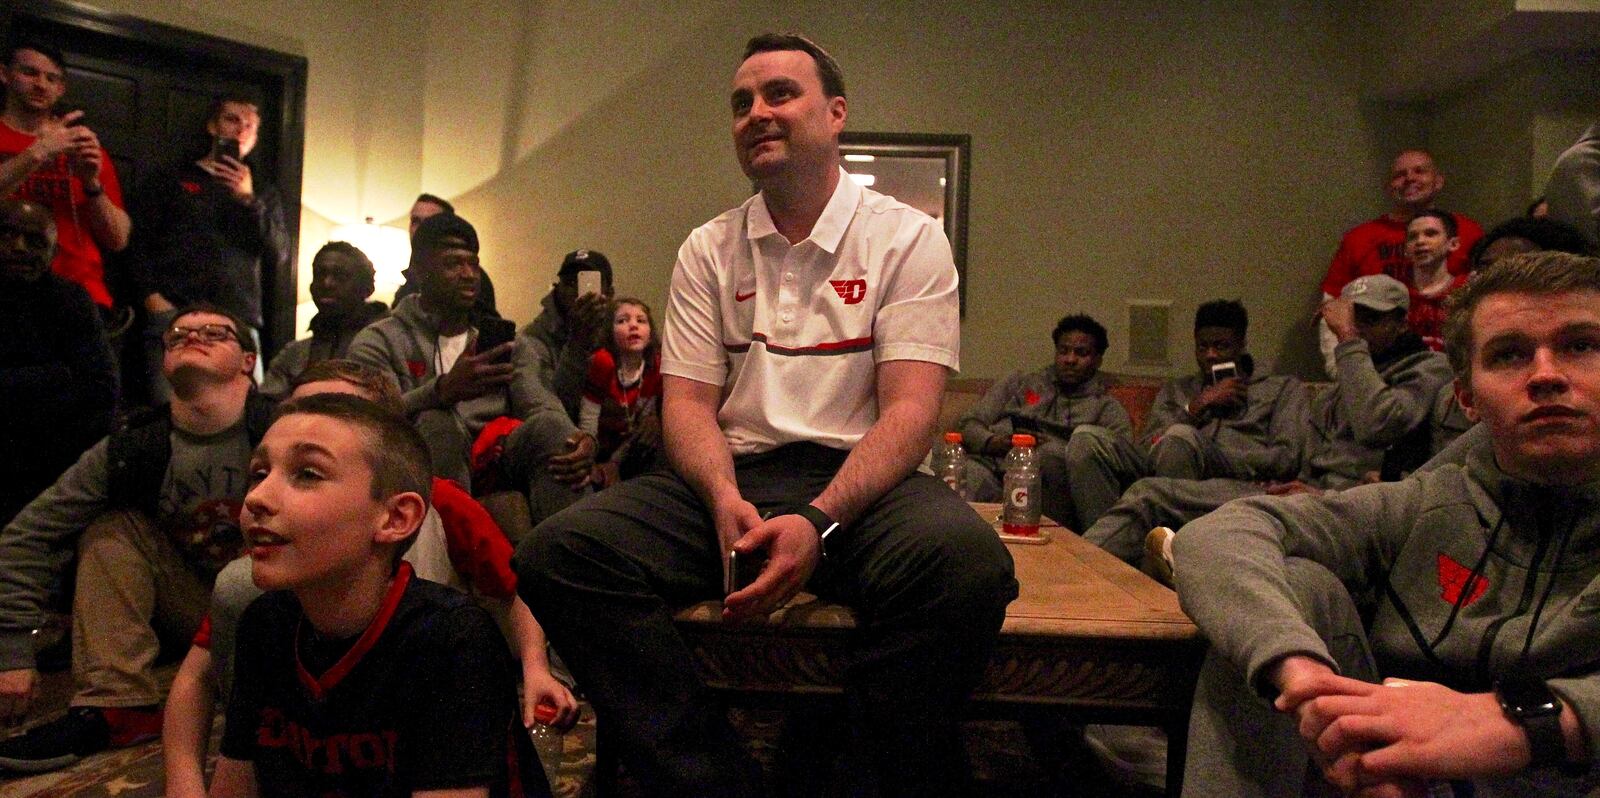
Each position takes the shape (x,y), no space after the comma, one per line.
(927,171)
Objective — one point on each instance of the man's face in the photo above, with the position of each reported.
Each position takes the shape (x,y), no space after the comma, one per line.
(1213,345)
(33,82)
(340,284)
(309,518)
(27,240)
(449,278)
(237,121)
(1427,242)
(1380,329)
(1536,383)
(1077,358)
(420,210)
(1503,247)
(1413,180)
(205,343)
(780,116)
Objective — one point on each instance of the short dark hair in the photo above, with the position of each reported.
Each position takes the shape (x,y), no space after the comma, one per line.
(1228,313)
(392,447)
(1446,218)
(347,248)
(1082,322)
(1545,234)
(241,328)
(1538,273)
(379,386)
(236,98)
(828,71)
(49,51)
(433,199)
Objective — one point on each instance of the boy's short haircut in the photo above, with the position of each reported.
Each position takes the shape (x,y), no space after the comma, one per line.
(433,199)
(1538,273)
(1226,313)
(1544,234)
(1446,219)
(376,385)
(393,449)
(347,248)
(1084,323)
(218,102)
(49,51)
(241,328)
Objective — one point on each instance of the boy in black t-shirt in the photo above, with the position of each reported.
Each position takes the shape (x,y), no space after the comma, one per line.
(353,677)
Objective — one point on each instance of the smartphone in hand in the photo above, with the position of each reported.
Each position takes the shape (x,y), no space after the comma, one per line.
(588,282)
(225,146)
(493,332)
(742,571)
(1224,371)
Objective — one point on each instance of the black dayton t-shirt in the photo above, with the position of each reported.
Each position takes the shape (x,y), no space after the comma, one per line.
(424,699)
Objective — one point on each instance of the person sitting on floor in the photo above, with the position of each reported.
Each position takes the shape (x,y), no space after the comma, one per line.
(1393,637)
(153,510)
(1226,421)
(341,281)
(458,545)
(352,675)
(622,396)
(1085,448)
(466,401)
(569,327)
(1374,417)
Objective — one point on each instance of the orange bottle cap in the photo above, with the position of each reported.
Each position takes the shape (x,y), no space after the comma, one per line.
(1022,439)
(952,437)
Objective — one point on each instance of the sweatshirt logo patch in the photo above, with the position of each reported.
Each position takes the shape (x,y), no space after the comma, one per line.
(417,368)
(851,291)
(190,186)
(1031,397)
(1453,578)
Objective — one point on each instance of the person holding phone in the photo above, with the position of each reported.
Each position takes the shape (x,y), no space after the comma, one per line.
(570,324)
(470,383)
(209,230)
(56,160)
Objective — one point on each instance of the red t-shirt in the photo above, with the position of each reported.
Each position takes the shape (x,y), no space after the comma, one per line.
(55,187)
(618,404)
(1379,247)
(1426,316)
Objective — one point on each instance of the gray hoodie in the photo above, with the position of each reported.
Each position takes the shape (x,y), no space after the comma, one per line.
(1032,402)
(1371,408)
(1261,443)
(1415,543)
(562,363)
(406,345)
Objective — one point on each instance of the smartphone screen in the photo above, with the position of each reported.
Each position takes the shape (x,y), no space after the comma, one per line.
(222,145)
(588,282)
(493,332)
(1224,371)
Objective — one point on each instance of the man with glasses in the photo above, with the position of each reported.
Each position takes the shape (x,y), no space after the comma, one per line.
(152,511)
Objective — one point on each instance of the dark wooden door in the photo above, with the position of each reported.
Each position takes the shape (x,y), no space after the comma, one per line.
(145,89)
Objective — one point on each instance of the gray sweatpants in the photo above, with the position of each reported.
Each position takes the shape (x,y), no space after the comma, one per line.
(1081,477)
(1161,501)
(522,464)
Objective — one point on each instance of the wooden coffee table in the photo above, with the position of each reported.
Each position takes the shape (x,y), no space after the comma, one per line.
(1088,638)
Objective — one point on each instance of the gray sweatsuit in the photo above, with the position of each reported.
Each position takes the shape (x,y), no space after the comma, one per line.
(1260,442)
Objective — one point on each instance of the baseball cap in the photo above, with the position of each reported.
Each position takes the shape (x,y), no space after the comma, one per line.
(439,228)
(585,260)
(1378,292)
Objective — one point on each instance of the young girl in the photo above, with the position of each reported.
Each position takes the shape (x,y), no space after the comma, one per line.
(622,397)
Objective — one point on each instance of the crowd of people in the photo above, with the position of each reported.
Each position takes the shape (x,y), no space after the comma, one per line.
(1426,521)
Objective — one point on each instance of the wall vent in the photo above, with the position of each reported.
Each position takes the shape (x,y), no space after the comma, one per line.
(1148,332)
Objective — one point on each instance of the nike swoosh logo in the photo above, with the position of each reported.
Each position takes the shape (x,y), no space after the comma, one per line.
(738,297)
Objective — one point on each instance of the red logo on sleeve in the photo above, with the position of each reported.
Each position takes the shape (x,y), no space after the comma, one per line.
(851,291)
(1454,578)
(190,186)
(417,368)
(1031,397)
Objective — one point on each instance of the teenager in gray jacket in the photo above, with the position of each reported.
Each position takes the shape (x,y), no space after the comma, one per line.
(1480,585)
(1387,380)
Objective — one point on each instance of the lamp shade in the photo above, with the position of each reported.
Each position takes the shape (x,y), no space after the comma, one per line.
(388,247)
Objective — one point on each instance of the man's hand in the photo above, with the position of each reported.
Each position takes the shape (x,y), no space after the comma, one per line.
(1340,314)
(590,316)
(57,136)
(16,693)
(156,303)
(234,175)
(475,374)
(792,553)
(1214,400)
(574,467)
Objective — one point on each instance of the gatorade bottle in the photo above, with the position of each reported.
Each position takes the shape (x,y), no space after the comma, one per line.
(950,463)
(547,741)
(1020,515)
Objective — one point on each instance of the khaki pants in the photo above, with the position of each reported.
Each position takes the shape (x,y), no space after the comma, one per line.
(131,582)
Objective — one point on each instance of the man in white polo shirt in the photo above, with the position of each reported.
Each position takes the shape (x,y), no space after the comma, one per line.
(808,336)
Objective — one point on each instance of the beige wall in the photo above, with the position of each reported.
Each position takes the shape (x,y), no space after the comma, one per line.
(1121,151)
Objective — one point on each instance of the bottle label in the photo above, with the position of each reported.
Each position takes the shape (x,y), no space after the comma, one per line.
(1019,496)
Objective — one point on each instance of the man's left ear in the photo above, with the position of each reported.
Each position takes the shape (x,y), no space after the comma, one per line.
(402,516)
(1464,398)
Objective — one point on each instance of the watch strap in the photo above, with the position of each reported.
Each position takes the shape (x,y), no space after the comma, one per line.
(1530,706)
(824,525)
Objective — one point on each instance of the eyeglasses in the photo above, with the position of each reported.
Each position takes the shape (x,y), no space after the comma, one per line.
(207,333)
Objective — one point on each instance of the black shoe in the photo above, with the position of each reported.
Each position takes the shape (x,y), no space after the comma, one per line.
(57,744)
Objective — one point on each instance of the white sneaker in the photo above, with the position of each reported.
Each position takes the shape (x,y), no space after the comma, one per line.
(1158,555)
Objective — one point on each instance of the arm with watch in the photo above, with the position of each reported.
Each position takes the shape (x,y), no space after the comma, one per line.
(908,393)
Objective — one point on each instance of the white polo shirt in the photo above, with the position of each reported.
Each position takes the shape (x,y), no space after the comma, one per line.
(793,334)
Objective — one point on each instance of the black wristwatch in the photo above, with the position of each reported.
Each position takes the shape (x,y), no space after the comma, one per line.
(824,525)
(1530,703)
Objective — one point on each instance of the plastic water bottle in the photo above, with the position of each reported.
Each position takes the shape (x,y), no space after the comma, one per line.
(950,463)
(1020,515)
(547,741)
